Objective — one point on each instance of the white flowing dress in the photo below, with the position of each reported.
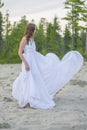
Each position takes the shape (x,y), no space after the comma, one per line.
(47,75)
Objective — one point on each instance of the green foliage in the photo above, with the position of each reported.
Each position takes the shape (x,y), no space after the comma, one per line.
(5,126)
(67,40)
(53,37)
(48,36)
(12,40)
(77,12)
(1,29)
(1,4)
(40,37)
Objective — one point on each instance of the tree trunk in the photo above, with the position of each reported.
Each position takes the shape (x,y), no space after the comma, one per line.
(86,46)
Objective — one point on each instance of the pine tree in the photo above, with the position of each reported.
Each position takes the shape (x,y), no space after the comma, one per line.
(49,37)
(40,36)
(1,28)
(57,37)
(13,37)
(53,37)
(84,18)
(67,40)
(76,10)
(83,41)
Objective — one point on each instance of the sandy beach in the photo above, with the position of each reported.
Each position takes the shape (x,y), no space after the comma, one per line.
(70,112)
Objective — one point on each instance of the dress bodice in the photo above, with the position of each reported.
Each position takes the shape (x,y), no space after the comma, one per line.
(30,47)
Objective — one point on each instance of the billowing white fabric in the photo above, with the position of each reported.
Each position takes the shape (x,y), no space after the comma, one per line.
(47,75)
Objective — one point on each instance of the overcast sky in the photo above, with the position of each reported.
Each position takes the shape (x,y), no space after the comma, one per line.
(34,9)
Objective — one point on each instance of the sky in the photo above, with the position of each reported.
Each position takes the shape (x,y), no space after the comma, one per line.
(35,9)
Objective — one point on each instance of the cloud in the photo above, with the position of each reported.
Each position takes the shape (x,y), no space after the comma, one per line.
(18,7)
(34,9)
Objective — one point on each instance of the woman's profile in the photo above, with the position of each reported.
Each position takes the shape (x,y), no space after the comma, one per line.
(42,76)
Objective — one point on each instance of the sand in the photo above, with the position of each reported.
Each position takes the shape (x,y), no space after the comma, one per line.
(70,112)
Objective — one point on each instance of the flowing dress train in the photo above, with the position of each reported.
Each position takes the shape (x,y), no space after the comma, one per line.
(47,75)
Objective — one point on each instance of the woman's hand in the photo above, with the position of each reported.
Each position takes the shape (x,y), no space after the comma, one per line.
(27,67)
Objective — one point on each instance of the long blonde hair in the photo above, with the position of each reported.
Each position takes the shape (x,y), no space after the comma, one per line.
(29,31)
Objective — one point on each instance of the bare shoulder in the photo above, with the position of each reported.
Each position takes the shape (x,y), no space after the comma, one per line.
(23,41)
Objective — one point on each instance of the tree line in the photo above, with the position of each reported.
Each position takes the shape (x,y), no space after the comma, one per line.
(48,35)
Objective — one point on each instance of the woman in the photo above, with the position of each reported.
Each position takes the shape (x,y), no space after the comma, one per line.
(42,76)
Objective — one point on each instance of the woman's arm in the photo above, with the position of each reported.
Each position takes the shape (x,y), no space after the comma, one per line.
(21,48)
